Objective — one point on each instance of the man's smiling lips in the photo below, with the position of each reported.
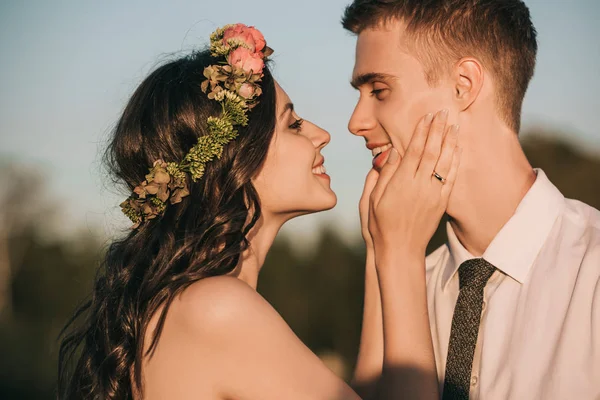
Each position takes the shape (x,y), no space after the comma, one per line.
(380,152)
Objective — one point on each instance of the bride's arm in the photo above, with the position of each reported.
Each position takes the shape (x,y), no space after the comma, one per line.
(370,354)
(409,370)
(405,208)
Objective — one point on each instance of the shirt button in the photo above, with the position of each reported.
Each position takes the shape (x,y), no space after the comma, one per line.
(474,380)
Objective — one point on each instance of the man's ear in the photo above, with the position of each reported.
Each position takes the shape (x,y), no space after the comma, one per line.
(468,74)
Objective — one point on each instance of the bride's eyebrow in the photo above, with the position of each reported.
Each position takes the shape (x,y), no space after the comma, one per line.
(289,106)
(369,77)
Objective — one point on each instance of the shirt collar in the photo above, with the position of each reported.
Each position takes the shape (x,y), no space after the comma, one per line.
(514,249)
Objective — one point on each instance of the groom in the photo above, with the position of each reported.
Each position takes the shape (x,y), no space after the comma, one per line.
(514,296)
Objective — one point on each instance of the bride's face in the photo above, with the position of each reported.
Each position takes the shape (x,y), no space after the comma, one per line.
(292,180)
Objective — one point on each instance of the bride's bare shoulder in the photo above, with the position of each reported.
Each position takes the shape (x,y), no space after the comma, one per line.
(202,333)
(223,339)
(215,303)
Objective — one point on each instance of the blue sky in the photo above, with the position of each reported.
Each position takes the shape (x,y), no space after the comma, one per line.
(68,67)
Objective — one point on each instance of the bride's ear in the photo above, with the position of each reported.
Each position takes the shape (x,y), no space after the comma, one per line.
(468,75)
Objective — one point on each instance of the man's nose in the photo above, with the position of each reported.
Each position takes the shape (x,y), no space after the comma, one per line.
(362,119)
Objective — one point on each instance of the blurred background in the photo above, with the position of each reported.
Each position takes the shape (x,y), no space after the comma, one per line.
(68,67)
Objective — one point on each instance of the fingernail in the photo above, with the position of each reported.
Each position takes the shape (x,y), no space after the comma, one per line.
(393,157)
(455,128)
(429,118)
(444,113)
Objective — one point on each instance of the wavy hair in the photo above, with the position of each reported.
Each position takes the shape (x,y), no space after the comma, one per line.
(102,345)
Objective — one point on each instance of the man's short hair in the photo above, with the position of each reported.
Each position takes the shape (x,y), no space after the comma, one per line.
(499,33)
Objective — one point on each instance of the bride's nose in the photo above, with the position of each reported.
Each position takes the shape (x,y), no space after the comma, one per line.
(320,137)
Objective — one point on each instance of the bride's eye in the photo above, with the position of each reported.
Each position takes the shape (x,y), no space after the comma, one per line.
(297,125)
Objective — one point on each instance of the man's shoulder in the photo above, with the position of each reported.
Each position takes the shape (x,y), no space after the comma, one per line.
(583,223)
(437,257)
(584,220)
(577,235)
(582,214)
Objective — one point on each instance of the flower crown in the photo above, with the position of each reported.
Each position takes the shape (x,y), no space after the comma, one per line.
(233,83)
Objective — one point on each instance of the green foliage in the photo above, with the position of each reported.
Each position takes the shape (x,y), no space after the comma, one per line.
(49,279)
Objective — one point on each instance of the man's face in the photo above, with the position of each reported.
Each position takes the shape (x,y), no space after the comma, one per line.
(394,94)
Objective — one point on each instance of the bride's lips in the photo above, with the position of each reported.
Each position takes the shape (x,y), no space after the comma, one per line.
(319,169)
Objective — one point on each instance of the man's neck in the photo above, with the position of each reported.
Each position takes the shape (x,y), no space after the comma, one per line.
(492,182)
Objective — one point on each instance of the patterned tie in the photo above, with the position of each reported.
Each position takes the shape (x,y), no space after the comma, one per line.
(473,275)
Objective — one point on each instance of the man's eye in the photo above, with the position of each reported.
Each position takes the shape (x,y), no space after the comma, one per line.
(379,93)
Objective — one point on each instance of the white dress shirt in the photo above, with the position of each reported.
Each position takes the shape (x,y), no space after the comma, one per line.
(539,336)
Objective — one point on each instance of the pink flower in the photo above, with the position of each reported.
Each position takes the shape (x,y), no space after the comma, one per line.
(246,60)
(246,90)
(258,37)
(247,34)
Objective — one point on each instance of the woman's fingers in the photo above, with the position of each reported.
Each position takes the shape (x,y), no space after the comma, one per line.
(452,173)
(363,206)
(386,173)
(432,150)
(444,162)
(414,151)
(370,183)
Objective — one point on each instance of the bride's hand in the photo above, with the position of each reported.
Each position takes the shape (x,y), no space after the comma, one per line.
(363,208)
(408,201)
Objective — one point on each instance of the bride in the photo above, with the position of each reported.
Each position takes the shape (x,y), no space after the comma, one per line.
(217,160)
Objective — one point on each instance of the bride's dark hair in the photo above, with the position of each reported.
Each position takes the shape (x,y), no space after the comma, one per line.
(202,236)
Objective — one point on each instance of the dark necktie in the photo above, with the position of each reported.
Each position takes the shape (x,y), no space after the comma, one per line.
(473,275)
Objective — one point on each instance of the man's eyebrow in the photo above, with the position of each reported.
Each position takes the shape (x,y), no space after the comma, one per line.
(362,79)
(288,106)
